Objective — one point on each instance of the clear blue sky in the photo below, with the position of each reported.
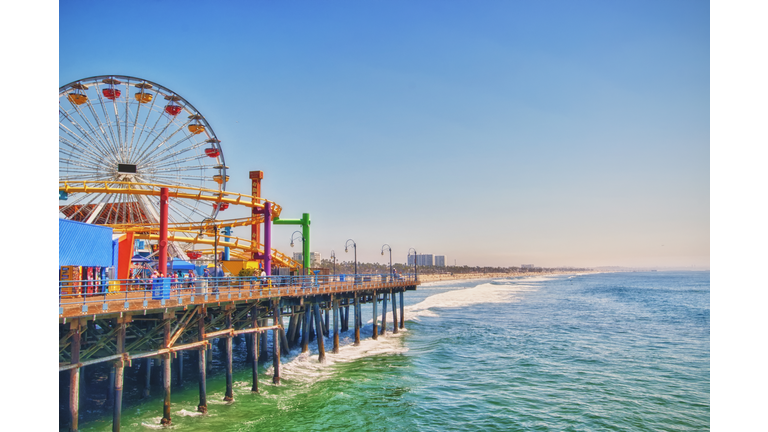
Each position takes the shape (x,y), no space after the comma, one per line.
(558,133)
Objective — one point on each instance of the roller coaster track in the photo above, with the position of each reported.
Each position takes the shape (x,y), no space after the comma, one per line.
(188,232)
(130,188)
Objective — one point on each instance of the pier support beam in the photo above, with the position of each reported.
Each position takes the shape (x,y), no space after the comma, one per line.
(202,406)
(166,420)
(119,369)
(394,312)
(111,386)
(147,376)
(312,320)
(375,316)
(357,321)
(320,338)
(292,324)
(180,368)
(228,397)
(327,326)
(402,309)
(384,315)
(345,320)
(276,342)
(284,348)
(263,345)
(74,376)
(255,347)
(305,329)
(335,326)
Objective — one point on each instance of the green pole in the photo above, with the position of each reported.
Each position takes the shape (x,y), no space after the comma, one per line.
(305,233)
(304,222)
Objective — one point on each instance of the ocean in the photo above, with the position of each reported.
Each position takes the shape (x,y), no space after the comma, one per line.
(592,352)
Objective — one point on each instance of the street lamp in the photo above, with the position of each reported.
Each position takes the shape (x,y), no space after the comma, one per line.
(415,268)
(333,257)
(302,243)
(215,241)
(354,245)
(390,259)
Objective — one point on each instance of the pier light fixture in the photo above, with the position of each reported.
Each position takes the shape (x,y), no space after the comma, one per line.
(390,259)
(415,266)
(333,257)
(346,249)
(293,237)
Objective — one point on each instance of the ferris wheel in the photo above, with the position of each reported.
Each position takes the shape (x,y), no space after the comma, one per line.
(134,133)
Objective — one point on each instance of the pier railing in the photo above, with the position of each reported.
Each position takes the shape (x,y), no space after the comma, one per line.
(94,297)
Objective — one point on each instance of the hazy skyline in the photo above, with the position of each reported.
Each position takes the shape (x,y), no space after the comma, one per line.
(497,133)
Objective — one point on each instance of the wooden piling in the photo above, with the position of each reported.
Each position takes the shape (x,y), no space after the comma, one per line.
(284,349)
(275,343)
(166,420)
(305,329)
(345,320)
(327,326)
(180,367)
(394,313)
(263,343)
(228,396)
(147,377)
(292,324)
(375,316)
(209,359)
(320,338)
(311,324)
(357,321)
(402,309)
(255,347)
(119,369)
(74,375)
(202,406)
(335,326)
(384,315)
(111,387)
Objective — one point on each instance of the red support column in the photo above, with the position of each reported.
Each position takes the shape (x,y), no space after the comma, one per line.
(256,177)
(163,254)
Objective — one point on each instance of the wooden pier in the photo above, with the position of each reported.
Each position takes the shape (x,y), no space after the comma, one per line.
(133,325)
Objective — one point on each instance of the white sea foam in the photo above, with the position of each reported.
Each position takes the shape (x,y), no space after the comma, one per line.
(498,291)
(305,367)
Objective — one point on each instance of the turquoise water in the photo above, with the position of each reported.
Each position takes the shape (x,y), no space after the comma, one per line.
(614,351)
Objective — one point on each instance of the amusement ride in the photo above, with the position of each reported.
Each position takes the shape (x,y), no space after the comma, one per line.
(122,139)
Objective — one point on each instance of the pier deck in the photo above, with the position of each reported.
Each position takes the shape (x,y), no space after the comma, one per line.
(138,296)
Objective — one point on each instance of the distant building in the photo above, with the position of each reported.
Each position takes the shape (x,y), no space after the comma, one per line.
(421,260)
(527,266)
(439,260)
(314,258)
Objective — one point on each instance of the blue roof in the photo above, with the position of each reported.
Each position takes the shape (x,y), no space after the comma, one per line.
(181,265)
(82,244)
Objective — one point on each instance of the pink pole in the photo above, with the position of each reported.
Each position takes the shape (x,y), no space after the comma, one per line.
(163,259)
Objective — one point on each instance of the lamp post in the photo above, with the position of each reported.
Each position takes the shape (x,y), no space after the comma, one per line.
(390,259)
(354,245)
(333,257)
(215,242)
(415,268)
(302,244)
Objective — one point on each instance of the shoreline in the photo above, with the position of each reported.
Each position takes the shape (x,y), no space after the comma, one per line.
(464,276)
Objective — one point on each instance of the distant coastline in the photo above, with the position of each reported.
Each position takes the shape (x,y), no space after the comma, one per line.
(460,276)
